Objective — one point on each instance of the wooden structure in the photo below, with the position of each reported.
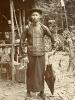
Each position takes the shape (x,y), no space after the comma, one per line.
(18,25)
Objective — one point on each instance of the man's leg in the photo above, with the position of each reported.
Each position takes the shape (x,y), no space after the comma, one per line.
(28,93)
(42,95)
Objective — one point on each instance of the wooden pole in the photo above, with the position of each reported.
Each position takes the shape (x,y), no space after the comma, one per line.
(62,20)
(23,20)
(20,21)
(66,17)
(16,21)
(13,37)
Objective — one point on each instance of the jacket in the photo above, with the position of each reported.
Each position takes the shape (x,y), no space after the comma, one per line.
(35,38)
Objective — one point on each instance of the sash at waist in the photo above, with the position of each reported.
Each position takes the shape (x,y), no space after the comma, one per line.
(36,50)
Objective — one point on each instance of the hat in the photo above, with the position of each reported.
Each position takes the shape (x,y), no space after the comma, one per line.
(36,10)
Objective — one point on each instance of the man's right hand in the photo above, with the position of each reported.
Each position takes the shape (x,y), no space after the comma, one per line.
(26,60)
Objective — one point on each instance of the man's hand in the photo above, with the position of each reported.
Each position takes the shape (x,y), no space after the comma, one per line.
(26,60)
(17,41)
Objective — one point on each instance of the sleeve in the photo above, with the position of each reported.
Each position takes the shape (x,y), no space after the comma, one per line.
(47,32)
(22,40)
(24,34)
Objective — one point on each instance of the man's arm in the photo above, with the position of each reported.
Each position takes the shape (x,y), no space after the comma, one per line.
(22,40)
(24,34)
(47,32)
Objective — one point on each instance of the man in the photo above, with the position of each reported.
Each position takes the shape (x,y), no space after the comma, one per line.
(53,29)
(36,53)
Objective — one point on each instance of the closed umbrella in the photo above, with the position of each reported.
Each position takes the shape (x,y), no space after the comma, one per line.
(50,78)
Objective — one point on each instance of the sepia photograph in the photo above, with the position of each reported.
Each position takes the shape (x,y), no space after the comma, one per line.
(37,49)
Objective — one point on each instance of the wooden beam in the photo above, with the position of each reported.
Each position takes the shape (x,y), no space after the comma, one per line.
(15,44)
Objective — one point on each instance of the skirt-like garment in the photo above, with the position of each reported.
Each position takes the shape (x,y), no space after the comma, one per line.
(35,73)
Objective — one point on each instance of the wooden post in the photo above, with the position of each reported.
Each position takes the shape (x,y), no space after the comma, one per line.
(16,21)
(62,20)
(66,17)
(23,19)
(20,21)
(13,37)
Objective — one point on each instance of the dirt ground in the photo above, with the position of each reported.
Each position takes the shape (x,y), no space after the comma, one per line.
(64,84)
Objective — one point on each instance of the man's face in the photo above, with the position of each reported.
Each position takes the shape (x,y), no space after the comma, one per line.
(35,17)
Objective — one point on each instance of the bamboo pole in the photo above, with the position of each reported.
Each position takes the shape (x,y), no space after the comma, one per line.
(20,21)
(23,20)
(62,20)
(16,22)
(65,12)
(12,29)
(10,45)
(66,17)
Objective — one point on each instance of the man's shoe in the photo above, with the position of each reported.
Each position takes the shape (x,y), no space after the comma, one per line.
(28,94)
(42,95)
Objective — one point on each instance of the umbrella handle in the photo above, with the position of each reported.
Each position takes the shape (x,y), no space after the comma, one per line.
(49,57)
